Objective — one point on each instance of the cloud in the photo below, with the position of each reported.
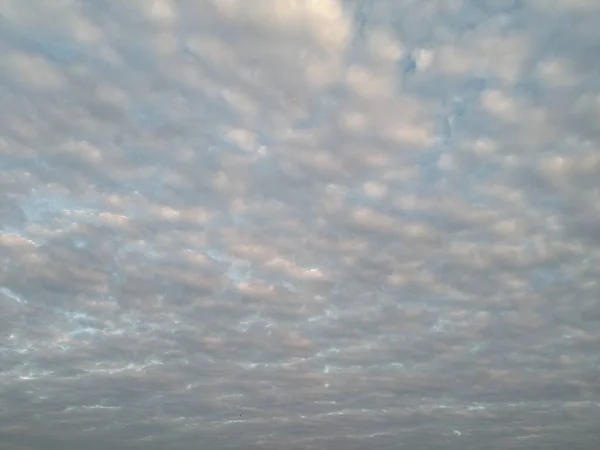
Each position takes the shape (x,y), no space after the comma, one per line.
(298,223)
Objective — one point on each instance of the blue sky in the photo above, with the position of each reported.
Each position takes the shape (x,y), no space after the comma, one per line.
(299,224)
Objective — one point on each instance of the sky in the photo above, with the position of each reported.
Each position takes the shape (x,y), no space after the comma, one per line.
(299,224)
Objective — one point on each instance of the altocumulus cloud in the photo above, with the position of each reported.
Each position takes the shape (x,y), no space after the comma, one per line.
(299,224)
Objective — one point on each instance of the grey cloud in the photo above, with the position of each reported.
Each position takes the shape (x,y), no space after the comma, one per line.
(354,224)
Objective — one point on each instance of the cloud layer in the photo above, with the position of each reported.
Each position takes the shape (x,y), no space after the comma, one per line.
(299,224)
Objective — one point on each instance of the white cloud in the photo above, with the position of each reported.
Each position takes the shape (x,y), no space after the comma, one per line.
(289,215)
(34,71)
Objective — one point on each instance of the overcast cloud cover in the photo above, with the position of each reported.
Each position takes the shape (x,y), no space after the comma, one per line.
(310,224)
